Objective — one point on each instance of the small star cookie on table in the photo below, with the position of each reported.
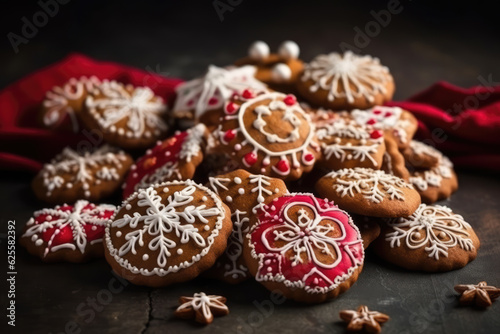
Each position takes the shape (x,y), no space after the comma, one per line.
(364,320)
(480,295)
(202,308)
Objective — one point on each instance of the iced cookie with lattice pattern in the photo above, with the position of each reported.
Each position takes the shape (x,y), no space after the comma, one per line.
(345,82)
(278,70)
(369,192)
(304,247)
(175,158)
(89,174)
(246,195)
(268,134)
(433,239)
(167,233)
(68,233)
(62,104)
(126,116)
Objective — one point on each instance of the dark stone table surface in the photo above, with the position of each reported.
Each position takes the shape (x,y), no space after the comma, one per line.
(423,43)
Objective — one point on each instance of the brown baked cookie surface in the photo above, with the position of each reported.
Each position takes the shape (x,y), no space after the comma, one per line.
(420,155)
(393,161)
(167,233)
(433,239)
(369,192)
(346,81)
(91,175)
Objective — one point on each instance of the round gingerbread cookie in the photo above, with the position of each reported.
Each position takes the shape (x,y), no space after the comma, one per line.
(128,117)
(432,239)
(278,70)
(268,134)
(175,158)
(304,247)
(167,233)
(397,124)
(73,175)
(347,144)
(62,104)
(369,192)
(246,195)
(71,233)
(436,183)
(203,99)
(420,155)
(346,81)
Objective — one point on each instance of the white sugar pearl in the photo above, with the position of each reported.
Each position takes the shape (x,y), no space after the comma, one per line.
(258,50)
(289,50)
(281,72)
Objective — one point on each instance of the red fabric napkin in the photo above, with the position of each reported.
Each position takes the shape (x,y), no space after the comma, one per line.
(24,144)
(462,123)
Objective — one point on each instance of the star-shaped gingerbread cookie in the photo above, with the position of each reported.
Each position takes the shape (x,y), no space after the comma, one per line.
(481,295)
(202,307)
(364,319)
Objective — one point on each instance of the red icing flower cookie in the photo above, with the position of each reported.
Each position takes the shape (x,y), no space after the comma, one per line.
(305,247)
(175,158)
(71,233)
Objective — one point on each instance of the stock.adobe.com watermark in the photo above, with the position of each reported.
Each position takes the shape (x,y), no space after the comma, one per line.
(31,24)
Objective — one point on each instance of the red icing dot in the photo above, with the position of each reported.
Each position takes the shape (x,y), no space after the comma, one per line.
(377,112)
(371,121)
(231,107)
(388,114)
(309,157)
(290,100)
(283,166)
(229,135)
(376,134)
(250,158)
(247,94)
(213,101)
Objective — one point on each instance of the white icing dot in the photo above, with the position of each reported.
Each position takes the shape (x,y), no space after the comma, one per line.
(39,242)
(237,147)
(93,228)
(276,190)
(258,50)
(229,199)
(204,198)
(206,228)
(145,257)
(165,190)
(180,251)
(118,233)
(289,50)
(167,153)
(281,72)
(128,206)
(237,180)
(87,193)
(121,132)
(69,185)
(241,191)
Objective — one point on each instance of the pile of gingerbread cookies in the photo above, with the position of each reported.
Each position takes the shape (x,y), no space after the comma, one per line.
(285,173)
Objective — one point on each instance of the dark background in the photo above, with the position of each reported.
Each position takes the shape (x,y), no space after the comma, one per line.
(426,42)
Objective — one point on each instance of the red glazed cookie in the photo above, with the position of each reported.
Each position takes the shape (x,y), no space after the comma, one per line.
(268,134)
(175,158)
(306,248)
(398,124)
(369,192)
(127,116)
(246,195)
(203,99)
(281,70)
(63,104)
(346,81)
(420,155)
(71,233)
(72,175)
(433,238)
(167,233)
(347,144)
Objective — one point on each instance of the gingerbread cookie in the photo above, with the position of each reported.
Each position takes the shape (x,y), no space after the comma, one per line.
(436,183)
(91,175)
(175,158)
(71,233)
(167,233)
(202,308)
(369,192)
(347,144)
(304,247)
(268,134)
(433,238)
(393,162)
(346,81)
(420,155)
(127,116)
(278,70)
(369,228)
(203,99)
(246,195)
(398,124)
(63,104)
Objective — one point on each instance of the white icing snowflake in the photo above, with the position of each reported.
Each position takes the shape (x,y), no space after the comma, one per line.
(434,227)
(215,88)
(142,110)
(434,176)
(347,76)
(191,146)
(205,304)
(374,185)
(420,148)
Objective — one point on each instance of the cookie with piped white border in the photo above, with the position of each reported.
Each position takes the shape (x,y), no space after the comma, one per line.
(203,99)
(369,192)
(345,82)
(175,158)
(67,233)
(62,104)
(268,134)
(246,195)
(278,70)
(167,233)
(126,116)
(432,239)
(89,174)
(420,155)
(304,247)
(347,144)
